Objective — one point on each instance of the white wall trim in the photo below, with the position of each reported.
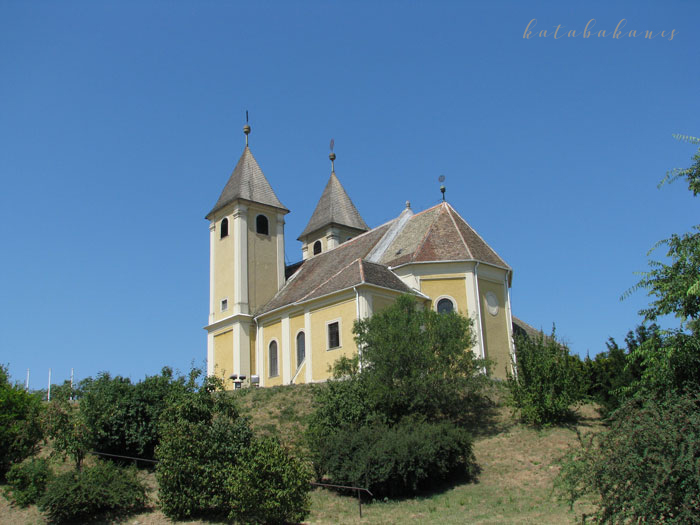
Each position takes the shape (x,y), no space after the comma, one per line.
(286,351)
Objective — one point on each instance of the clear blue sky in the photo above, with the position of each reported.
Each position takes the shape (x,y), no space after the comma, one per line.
(121,122)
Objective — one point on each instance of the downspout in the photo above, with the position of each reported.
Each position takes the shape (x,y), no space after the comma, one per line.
(357,314)
(509,320)
(478,313)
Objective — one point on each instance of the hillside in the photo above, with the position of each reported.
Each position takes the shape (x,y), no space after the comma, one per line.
(517,464)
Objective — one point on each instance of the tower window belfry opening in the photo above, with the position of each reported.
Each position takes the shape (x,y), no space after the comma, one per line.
(262,225)
(317,247)
(224,228)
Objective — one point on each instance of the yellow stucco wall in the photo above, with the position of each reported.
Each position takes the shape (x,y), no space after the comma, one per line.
(223,269)
(272,332)
(253,334)
(379,303)
(345,312)
(223,356)
(495,328)
(435,286)
(296,323)
(262,259)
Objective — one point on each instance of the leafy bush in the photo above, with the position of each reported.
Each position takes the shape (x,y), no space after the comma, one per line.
(20,430)
(209,461)
(645,468)
(122,416)
(65,424)
(85,494)
(399,460)
(547,380)
(417,361)
(268,486)
(27,481)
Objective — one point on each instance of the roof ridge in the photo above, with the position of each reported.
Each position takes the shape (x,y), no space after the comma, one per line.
(454,223)
(425,235)
(362,271)
(329,279)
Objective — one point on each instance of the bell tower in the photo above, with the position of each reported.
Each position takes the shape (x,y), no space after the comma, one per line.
(246,266)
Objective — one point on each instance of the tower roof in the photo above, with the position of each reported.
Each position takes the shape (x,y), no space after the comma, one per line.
(247,182)
(334,207)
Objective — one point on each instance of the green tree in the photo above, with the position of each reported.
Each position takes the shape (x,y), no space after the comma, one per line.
(211,465)
(65,424)
(547,381)
(394,422)
(123,416)
(20,429)
(673,363)
(416,361)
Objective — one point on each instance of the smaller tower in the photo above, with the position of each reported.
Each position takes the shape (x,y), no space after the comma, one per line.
(335,219)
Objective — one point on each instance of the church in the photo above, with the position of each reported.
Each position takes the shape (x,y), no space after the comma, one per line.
(276,324)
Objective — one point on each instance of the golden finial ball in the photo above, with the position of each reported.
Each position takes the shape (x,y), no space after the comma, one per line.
(246,129)
(331,156)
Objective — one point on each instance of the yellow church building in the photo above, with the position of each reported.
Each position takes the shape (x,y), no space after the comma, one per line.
(272,324)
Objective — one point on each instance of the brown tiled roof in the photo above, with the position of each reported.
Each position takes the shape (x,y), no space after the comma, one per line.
(438,234)
(247,182)
(520,327)
(334,207)
(317,271)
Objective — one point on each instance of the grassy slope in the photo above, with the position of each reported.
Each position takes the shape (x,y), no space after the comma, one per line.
(515,485)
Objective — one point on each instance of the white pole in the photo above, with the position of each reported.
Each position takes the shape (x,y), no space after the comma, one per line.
(26,383)
(48,393)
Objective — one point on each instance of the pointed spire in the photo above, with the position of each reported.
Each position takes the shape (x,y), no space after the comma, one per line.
(334,206)
(247,182)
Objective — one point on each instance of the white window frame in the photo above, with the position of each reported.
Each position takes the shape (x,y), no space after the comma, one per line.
(269,369)
(455,308)
(296,347)
(340,334)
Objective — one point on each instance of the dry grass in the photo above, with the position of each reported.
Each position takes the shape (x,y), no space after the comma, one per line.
(515,485)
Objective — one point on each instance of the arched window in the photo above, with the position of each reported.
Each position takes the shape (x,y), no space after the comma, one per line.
(317,247)
(262,226)
(301,348)
(274,369)
(445,306)
(224,228)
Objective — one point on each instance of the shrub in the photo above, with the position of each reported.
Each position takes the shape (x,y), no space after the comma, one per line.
(210,465)
(85,494)
(646,468)
(547,380)
(27,481)
(399,460)
(20,430)
(268,486)
(65,424)
(123,416)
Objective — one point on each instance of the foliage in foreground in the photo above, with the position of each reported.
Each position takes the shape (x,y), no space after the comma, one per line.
(394,424)
(26,481)
(20,431)
(122,416)
(399,460)
(82,495)
(646,468)
(548,380)
(211,465)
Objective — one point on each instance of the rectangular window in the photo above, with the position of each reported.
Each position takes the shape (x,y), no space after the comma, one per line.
(224,305)
(333,335)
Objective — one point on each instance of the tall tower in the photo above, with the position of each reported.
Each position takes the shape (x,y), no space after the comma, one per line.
(246,268)
(334,221)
